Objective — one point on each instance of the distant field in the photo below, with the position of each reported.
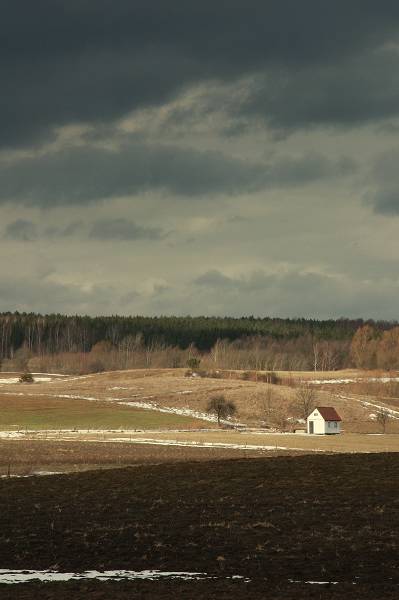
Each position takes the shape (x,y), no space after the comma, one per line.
(170,389)
(42,413)
(349,442)
(232,441)
(27,457)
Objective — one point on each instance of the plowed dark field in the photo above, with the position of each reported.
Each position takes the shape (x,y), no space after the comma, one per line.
(317,518)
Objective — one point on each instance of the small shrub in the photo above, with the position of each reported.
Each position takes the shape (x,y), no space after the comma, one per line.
(193,363)
(26,378)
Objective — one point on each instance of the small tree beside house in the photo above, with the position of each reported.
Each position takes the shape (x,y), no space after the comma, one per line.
(219,406)
(383,417)
(305,400)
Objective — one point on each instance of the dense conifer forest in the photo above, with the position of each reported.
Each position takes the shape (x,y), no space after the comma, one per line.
(59,333)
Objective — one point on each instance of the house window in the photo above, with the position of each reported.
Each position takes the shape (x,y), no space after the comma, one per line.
(335,424)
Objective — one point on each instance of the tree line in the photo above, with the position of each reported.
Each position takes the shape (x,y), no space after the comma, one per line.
(373,348)
(87,344)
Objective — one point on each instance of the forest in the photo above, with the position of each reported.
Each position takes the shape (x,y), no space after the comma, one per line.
(90,344)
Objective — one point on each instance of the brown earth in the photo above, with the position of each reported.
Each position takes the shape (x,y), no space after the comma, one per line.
(25,457)
(318,518)
(199,590)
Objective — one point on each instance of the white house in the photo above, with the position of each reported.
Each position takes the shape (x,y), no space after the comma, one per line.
(324,420)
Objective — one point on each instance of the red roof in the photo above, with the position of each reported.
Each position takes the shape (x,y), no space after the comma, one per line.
(328,413)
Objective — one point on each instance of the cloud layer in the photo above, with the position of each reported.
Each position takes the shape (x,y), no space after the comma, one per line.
(95,61)
(179,157)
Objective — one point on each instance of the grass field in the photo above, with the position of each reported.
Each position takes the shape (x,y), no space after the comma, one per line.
(42,413)
(170,388)
(273,521)
(331,443)
(233,440)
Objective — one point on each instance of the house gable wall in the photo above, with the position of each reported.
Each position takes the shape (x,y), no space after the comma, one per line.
(318,422)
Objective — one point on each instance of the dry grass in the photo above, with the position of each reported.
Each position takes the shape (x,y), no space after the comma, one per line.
(170,388)
(346,442)
(234,441)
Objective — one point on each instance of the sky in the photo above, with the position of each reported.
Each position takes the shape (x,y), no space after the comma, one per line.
(208,158)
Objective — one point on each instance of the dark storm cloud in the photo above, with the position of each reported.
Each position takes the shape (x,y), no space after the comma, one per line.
(79,175)
(24,230)
(123,230)
(362,89)
(384,195)
(21,230)
(87,174)
(92,61)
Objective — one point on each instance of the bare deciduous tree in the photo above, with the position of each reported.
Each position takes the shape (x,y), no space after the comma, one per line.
(305,400)
(267,404)
(222,408)
(383,417)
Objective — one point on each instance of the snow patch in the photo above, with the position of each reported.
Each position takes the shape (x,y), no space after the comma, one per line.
(8,576)
(394,414)
(356,380)
(184,412)
(34,474)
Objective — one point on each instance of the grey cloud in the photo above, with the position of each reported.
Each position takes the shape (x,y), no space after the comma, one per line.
(93,61)
(291,293)
(57,231)
(41,295)
(383,196)
(123,230)
(21,230)
(384,201)
(214,278)
(26,230)
(86,174)
(347,93)
(102,229)
(293,171)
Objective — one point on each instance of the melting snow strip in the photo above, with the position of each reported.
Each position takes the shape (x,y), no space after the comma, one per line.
(15,576)
(60,435)
(394,414)
(12,576)
(21,576)
(315,582)
(358,380)
(34,474)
